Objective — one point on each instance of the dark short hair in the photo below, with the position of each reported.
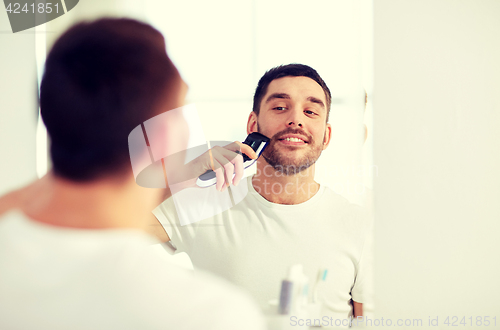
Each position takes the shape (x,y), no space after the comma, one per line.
(101,80)
(294,70)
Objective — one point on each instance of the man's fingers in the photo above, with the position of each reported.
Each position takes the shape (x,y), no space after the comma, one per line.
(229,171)
(246,149)
(237,146)
(237,160)
(221,158)
(219,175)
(228,161)
(238,169)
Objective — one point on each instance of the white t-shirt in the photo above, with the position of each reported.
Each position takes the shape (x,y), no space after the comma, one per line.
(62,278)
(254,243)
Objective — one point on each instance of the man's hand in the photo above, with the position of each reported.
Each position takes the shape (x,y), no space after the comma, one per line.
(224,161)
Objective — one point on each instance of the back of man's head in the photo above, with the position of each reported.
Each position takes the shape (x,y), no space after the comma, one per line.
(101,80)
(289,70)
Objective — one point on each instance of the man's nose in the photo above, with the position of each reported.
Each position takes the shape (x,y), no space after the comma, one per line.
(294,119)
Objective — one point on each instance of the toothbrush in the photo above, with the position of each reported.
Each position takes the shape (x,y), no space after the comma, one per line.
(320,278)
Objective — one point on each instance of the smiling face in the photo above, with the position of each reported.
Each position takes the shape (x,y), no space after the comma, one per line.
(293,114)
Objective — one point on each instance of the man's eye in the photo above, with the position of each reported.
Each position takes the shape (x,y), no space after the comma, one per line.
(279,108)
(309,112)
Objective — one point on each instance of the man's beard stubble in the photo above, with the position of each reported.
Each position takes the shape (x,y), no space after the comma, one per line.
(288,165)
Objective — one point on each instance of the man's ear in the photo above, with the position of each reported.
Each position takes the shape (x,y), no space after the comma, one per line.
(252,123)
(328,136)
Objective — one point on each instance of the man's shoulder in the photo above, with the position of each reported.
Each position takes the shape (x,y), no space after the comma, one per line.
(16,199)
(10,201)
(139,290)
(341,206)
(192,205)
(333,199)
(191,300)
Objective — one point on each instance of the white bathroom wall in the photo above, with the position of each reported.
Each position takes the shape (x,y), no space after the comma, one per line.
(18,106)
(436,146)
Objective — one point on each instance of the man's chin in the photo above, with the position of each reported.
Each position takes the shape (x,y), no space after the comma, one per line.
(289,166)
